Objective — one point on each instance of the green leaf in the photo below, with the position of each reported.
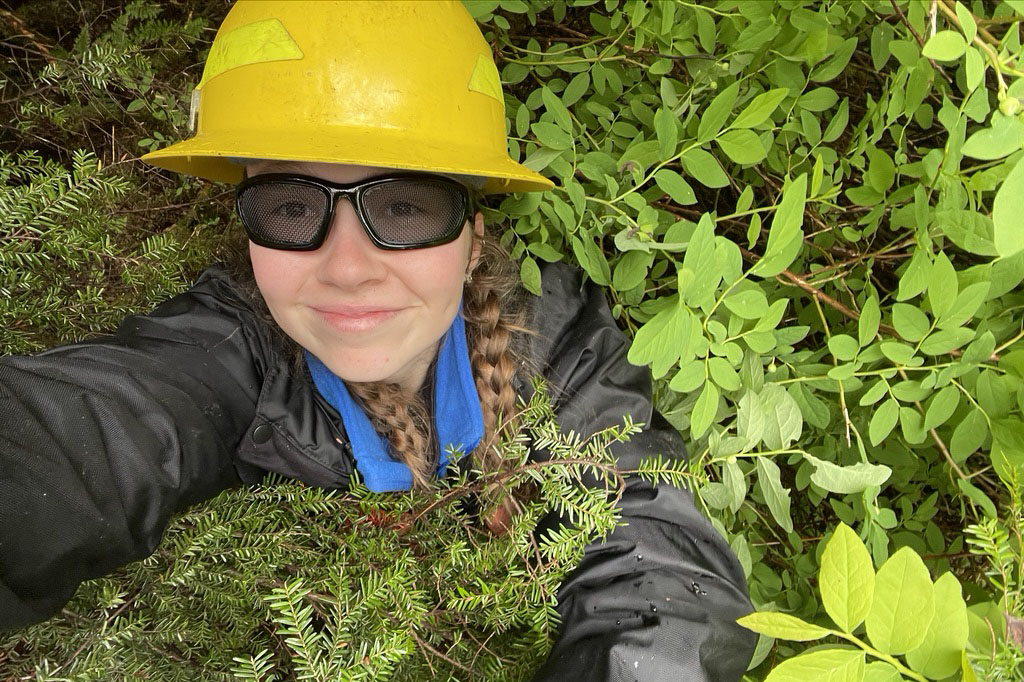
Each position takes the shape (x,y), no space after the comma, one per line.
(845,480)
(944,341)
(843,347)
(673,184)
(742,146)
(970,28)
(592,259)
(1004,137)
(875,393)
(867,325)
(704,410)
(945,46)
(971,231)
(782,626)
(551,136)
(881,172)
(826,665)
(785,237)
(938,656)
(783,422)
(1007,209)
(969,435)
(750,304)
(701,260)
(554,106)
(883,421)
(942,284)
(904,602)
(735,483)
(714,115)
(750,419)
(974,68)
(899,353)
(775,496)
(915,278)
(668,134)
(529,273)
(910,322)
(977,496)
(723,374)
(965,306)
(880,671)
(941,407)
(846,579)
(689,378)
(703,168)
(631,270)
(760,108)
(663,339)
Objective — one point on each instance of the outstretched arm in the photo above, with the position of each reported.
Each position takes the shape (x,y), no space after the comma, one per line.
(101,442)
(659,598)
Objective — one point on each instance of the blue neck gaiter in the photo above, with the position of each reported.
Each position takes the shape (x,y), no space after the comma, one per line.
(459,420)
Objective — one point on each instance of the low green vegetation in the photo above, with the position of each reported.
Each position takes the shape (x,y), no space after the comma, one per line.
(806,214)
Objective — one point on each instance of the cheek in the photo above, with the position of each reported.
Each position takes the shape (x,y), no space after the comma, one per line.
(275,272)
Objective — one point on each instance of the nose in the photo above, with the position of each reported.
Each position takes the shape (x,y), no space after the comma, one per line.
(348,257)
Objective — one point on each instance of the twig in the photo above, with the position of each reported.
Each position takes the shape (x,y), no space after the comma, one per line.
(19,26)
(919,39)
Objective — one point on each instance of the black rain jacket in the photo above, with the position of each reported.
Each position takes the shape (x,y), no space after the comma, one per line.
(102,442)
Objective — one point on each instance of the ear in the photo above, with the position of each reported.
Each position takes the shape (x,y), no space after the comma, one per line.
(478,235)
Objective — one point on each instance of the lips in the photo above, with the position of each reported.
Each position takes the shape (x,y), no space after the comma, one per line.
(355,319)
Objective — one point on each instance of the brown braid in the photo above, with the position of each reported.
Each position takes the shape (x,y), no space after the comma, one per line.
(403,420)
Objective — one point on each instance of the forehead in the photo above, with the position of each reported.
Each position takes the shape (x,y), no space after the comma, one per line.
(333,172)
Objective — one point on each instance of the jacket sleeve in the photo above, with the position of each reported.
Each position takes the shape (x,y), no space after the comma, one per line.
(657,601)
(102,441)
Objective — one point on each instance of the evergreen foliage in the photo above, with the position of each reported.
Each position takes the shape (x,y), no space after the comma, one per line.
(288,582)
(807,215)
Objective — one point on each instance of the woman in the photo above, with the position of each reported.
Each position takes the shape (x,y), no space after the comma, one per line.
(360,133)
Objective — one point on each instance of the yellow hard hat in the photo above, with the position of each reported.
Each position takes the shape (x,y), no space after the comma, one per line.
(409,85)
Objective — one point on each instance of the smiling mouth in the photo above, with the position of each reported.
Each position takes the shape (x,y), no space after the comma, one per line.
(356,319)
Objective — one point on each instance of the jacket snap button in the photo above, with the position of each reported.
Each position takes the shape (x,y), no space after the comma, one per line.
(262,433)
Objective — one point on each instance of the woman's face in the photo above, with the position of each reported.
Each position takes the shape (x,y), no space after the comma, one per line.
(366,313)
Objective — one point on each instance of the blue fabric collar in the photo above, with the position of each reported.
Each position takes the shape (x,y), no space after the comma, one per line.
(458,417)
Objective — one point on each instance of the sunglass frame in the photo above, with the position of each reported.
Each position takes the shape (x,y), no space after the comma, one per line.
(354,192)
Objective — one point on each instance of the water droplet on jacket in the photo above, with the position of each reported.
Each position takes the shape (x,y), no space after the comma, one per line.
(695,588)
(618,622)
(654,608)
(639,557)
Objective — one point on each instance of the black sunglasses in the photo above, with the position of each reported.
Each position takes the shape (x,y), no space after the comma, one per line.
(401,211)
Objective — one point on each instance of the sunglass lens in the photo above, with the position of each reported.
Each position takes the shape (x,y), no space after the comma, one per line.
(283,213)
(411,212)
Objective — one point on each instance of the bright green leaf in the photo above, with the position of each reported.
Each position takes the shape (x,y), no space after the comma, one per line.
(704,168)
(904,602)
(782,626)
(663,339)
(742,146)
(846,579)
(969,435)
(867,325)
(942,284)
(945,46)
(673,184)
(1007,209)
(843,347)
(704,410)
(844,480)
(760,108)
(529,272)
(826,665)
(714,115)
(783,422)
(785,237)
(667,132)
(910,322)
(883,421)
(938,656)
(769,479)
(941,407)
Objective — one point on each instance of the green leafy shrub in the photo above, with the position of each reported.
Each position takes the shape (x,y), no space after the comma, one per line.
(806,214)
